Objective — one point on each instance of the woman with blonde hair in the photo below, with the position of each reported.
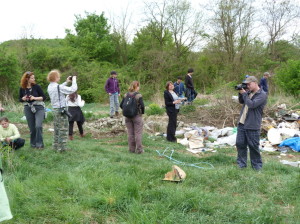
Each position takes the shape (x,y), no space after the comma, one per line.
(33,97)
(57,93)
(134,123)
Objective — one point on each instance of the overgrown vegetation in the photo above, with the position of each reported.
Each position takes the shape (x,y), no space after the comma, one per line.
(163,49)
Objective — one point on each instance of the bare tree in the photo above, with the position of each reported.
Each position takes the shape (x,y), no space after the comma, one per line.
(156,13)
(121,36)
(185,25)
(278,16)
(232,26)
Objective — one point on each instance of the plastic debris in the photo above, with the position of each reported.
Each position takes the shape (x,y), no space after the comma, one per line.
(293,143)
(294,164)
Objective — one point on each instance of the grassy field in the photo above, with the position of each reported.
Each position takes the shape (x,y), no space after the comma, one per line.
(99,181)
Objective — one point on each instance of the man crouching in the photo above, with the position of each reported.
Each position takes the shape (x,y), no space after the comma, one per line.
(254,100)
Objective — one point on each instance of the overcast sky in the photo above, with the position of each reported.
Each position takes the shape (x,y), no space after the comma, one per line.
(49,19)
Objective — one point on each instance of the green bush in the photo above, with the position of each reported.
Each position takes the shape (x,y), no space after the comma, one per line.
(154,109)
(288,77)
(187,109)
(200,102)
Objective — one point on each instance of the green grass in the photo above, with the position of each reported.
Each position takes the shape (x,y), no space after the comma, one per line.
(99,181)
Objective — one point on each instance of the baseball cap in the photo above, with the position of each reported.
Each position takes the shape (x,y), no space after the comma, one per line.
(113,73)
(251,79)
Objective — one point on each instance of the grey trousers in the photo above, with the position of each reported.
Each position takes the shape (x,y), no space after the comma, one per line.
(248,139)
(135,131)
(114,103)
(35,124)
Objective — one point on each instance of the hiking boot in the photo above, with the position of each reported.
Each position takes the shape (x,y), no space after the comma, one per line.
(82,135)
(71,137)
(111,116)
(117,113)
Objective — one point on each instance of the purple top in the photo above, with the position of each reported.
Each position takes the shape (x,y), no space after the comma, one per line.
(112,85)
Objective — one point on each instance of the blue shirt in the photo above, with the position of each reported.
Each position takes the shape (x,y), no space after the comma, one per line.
(264,84)
(179,88)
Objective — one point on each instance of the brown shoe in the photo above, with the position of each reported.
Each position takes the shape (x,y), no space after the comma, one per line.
(82,135)
(71,137)
(117,114)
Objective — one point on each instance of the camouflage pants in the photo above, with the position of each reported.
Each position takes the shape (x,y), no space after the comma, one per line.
(61,127)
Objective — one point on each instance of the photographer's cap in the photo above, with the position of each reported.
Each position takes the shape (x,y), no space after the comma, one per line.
(113,73)
(251,79)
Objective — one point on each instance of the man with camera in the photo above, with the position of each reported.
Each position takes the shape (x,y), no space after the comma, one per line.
(254,100)
(57,95)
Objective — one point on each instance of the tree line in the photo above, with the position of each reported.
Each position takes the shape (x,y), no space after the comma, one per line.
(222,41)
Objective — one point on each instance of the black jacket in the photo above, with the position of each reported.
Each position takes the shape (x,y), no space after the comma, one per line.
(36,91)
(170,107)
(189,82)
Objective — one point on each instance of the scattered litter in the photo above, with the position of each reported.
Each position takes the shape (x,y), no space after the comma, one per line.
(293,143)
(286,162)
(199,150)
(176,175)
(209,165)
(51,129)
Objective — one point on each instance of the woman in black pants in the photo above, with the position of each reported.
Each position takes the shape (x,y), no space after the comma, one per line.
(33,97)
(172,103)
(74,104)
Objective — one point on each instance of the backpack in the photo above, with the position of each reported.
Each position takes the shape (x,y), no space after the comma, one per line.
(130,107)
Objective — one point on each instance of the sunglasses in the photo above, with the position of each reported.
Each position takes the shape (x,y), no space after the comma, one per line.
(29,73)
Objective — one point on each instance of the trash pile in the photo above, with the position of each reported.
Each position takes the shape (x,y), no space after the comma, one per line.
(282,134)
(203,139)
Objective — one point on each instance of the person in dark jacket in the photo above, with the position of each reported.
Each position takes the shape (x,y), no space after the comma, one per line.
(172,103)
(190,92)
(249,123)
(33,97)
(113,90)
(135,124)
(264,82)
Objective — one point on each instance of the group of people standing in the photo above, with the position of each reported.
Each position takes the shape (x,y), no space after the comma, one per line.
(175,94)
(66,105)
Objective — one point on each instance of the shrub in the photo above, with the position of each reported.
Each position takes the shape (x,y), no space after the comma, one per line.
(154,109)
(288,77)
(200,102)
(187,109)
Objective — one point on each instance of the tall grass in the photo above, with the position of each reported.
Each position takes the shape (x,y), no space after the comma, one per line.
(99,181)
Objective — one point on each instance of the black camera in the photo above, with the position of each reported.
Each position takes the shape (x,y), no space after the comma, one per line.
(64,111)
(241,86)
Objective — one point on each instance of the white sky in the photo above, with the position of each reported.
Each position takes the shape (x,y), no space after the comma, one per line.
(49,19)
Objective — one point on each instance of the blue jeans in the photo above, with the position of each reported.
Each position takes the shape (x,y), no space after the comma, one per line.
(114,103)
